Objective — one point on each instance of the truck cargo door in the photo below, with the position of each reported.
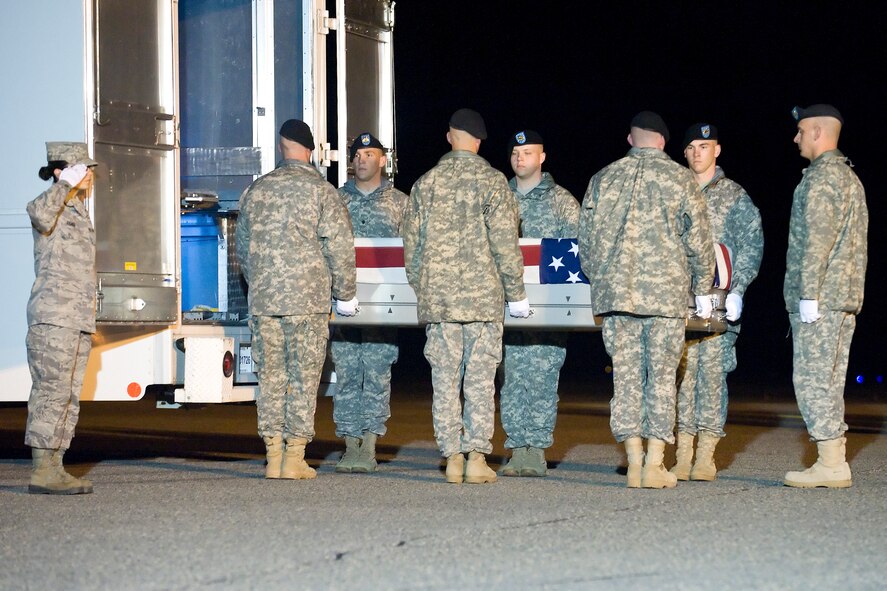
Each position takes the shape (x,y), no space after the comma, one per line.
(135,120)
(369,77)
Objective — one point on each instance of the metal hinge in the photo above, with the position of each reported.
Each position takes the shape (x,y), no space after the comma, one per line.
(325,155)
(326,23)
(391,163)
(99,296)
(389,15)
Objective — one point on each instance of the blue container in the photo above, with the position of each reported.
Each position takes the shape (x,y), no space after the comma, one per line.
(200,261)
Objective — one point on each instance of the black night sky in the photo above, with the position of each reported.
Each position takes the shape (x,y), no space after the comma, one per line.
(578,71)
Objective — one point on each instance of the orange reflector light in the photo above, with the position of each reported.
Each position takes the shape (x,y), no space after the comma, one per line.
(134,390)
(227,364)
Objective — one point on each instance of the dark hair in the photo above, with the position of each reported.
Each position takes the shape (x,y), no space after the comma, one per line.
(48,172)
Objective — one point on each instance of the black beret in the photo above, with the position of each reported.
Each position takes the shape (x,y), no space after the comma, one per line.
(364,140)
(651,122)
(297,131)
(700,131)
(470,121)
(523,138)
(817,111)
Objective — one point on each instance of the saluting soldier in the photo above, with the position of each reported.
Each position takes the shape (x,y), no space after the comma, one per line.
(61,314)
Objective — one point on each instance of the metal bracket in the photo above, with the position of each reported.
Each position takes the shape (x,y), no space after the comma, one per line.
(326,22)
(389,15)
(164,130)
(326,155)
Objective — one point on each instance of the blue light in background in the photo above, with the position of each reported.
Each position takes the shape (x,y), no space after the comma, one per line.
(859,379)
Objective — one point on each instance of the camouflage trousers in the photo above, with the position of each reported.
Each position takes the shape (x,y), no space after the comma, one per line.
(528,399)
(645,352)
(463,357)
(821,352)
(57,359)
(363,358)
(702,383)
(288,352)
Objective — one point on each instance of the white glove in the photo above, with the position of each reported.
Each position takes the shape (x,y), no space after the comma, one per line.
(73,174)
(703,306)
(734,306)
(346,308)
(809,310)
(519,309)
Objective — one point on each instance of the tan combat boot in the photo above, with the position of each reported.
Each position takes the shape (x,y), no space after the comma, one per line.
(294,465)
(704,468)
(477,471)
(535,464)
(366,459)
(683,456)
(634,449)
(58,456)
(654,474)
(455,468)
(514,466)
(831,470)
(273,456)
(352,449)
(48,476)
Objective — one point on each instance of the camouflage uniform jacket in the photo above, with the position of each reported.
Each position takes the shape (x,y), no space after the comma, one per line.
(736,222)
(294,242)
(460,238)
(645,237)
(547,210)
(64,261)
(827,250)
(377,215)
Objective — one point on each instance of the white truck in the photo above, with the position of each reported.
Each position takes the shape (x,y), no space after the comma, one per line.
(180,102)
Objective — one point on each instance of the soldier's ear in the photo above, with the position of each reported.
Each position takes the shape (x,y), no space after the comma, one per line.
(542,158)
(717,150)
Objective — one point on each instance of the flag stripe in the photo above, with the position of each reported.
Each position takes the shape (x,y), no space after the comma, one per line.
(723,267)
(531,252)
(379,256)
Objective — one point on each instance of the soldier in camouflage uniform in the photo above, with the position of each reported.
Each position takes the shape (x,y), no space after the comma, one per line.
(61,314)
(824,280)
(462,258)
(295,247)
(363,356)
(702,374)
(644,239)
(533,359)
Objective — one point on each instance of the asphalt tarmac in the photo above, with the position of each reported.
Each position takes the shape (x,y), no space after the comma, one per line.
(180,502)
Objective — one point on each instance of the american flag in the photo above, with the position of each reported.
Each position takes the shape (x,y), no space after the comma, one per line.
(546,261)
(551,260)
(380,260)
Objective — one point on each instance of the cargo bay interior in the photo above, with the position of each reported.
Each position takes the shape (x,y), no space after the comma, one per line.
(220,154)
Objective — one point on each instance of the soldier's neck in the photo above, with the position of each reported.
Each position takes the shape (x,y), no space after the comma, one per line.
(704,177)
(529,183)
(367,187)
